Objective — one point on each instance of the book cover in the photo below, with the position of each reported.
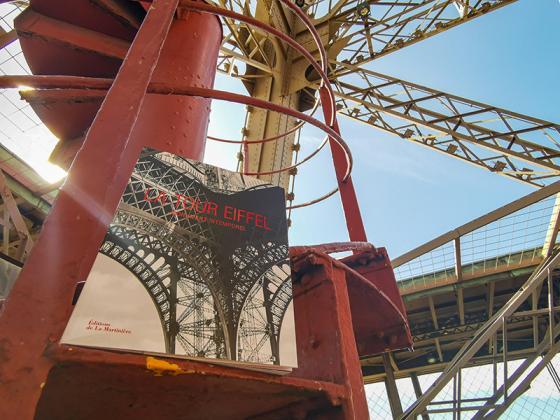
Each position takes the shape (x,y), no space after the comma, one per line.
(194,264)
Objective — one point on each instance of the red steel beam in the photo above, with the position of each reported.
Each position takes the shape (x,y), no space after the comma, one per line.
(37,25)
(324,330)
(35,314)
(350,205)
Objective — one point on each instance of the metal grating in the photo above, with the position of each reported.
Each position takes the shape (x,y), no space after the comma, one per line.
(541,401)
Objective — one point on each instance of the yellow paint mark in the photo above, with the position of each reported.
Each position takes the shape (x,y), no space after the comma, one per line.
(160,367)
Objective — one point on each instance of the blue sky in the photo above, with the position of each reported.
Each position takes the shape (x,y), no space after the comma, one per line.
(409,194)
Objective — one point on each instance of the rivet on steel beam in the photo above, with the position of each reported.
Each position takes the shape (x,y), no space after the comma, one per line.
(485,7)
(363,10)
(452,148)
(499,166)
(408,133)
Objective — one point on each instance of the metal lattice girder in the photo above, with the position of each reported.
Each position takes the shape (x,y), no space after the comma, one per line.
(246,52)
(357,39)
(498,322)
(243,44)
(10,204)
(391,25)
(501,141)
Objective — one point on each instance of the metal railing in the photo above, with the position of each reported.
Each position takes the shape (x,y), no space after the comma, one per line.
(519,234)
(495,331)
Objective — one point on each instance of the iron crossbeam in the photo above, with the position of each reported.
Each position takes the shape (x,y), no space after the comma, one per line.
(501,141)
(392,25)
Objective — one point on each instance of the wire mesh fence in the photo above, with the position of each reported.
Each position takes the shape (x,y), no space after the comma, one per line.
(514,240)
(510,240)
(16,116)
(21,130)
(540,401)
(433,267)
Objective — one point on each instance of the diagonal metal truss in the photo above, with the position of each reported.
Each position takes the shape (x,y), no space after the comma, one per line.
(392,25)
(498,140)
(243,48)
(501,141)
(547,347)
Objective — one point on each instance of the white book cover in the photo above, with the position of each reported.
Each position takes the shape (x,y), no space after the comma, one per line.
(195,264)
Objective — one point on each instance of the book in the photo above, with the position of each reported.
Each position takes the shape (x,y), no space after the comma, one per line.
(194,265)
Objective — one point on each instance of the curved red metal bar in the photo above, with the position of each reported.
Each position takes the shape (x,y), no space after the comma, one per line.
(314,201)
(295,165)
(65,82)
(325,85)
(268,139)
(322,53)
(324,63)
(321,69)
(325,88)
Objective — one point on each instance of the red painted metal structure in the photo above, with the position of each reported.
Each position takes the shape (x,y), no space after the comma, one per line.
(344,309)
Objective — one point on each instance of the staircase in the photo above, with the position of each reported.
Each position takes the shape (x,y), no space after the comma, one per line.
(90,38)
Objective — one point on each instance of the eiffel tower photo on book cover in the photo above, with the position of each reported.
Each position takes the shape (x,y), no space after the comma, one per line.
(194,264)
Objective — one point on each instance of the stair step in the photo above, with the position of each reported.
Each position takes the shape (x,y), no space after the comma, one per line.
(68,113)
(115,18)
(78,51)
(122,12)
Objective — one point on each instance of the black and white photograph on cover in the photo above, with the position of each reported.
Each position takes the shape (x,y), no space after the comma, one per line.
(194,264)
